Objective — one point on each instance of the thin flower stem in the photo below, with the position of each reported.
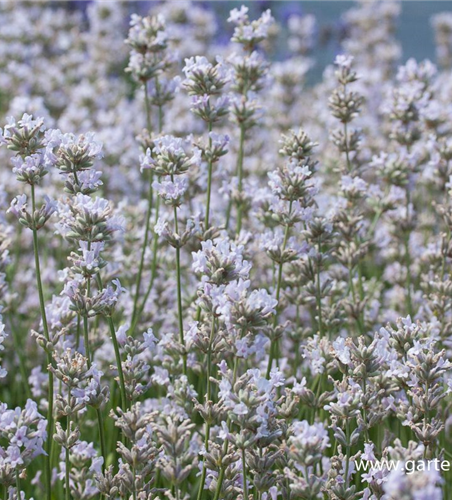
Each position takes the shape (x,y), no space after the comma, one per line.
(347,458)
(86,340)
(245,486)
(226,445)
(143,251)
(134,491)
(179,307)
(209,183)
(360,320)
(77,335)
(319,301)
(20,355)
(49,357)
(274,345)
(154,242)
(219,484)
(18,488)
(98,412)
(114,339)
(153,269)
(240,175)
(409,303)
(68,462)
(103,449)
(148,216)
(179,291)
(122,385)
(147,107)
(208,397)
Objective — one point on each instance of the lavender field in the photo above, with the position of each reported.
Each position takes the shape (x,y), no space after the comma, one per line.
(219,280)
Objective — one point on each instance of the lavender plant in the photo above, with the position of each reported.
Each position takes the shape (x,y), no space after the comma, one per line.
(217,280)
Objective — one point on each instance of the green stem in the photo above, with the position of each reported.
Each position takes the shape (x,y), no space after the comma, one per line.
(98,412)
(245,486)
(208,397)
(347,458)
(143,250)
(319,298)
(179,307)
(136,316)
(49,357)
(366,430)
(103,449)
(153,269)
(179,291)
(240,175)
(77,334)
(134,491)
(274,345)
(409,303)
(148,215)
(22,367)
(68,462)
(219,484)
(225,445)
(86,340)
(209,183)
(122,385)
(148,107)
(18,488)
(352,288)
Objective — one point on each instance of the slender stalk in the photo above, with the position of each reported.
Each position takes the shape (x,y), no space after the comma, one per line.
(239,173)
(118,362)
(147,107)
(148,215)
(86,340)
(208,397)
(318,298)
(245,486)
(18,488)
(219,484)
(274,345)
(122,385)
(18,350)
(89,362)
(352,288)
(347,458)
(409,303)
(209,183)
(134,491)
(366,430)
(114,339)
(154,243)
(179,291)
(49,357)
(179,306)
(103,449)
(68,462)
(100,423)
(77,334)
(143,250)
(225,445)
(153,270)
